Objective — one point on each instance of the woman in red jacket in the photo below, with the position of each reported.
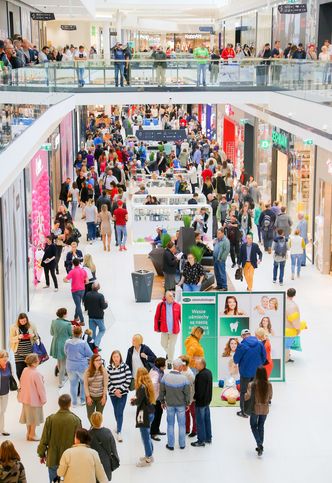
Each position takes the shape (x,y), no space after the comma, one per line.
(168,326)
(228,52)
(262,335)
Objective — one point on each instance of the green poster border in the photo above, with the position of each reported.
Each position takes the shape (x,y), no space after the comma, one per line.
(195,294)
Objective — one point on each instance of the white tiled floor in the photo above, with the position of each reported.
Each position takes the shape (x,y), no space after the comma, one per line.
(298,442)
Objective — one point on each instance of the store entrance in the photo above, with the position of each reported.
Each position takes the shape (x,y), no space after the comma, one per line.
(323,229)
(279,176)
(325,23)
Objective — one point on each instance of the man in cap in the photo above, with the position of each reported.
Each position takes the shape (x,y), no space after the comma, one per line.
(249,355)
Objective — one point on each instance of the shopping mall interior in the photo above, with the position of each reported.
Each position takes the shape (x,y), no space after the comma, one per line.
(165,197)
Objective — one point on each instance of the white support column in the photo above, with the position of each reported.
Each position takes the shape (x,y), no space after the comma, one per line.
(106,40)
(118,23)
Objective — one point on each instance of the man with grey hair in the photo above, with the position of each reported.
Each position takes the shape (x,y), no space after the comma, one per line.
(203,398)
(174,395)
(95,304)
(302,226)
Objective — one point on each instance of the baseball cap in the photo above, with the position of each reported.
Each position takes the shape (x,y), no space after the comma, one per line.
(120,202)
(245,332)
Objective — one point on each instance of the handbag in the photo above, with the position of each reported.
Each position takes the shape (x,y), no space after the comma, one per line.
(39,349)
(115,462)
(12,383)
(249,405)
(239,274)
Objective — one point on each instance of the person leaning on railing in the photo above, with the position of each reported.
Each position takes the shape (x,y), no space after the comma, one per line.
(160,64)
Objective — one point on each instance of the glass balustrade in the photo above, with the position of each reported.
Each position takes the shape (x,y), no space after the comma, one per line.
(173,73)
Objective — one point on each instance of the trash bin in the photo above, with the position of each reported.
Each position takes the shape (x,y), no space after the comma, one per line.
(142,283)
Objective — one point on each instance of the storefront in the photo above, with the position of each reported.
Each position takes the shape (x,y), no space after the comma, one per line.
(292,176)
(189,42)
(14,256)
(323,212)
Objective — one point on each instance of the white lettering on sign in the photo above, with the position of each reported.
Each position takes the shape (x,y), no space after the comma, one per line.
(39,166)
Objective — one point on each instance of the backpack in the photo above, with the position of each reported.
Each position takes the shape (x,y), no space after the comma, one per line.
(280,247)
(267,222)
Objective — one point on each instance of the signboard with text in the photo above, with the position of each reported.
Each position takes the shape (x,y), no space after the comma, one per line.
(291,8)
(68,27)
(42,16)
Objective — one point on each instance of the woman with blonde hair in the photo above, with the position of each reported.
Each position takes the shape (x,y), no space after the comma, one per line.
(145,400)
(194,349)
(105,218)
(102,441)
(95,385)
(90,268)
(22,335)
(32,395)
(11,468)
(139,355)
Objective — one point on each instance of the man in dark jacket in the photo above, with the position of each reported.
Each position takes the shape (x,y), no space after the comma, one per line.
(104,200)
(203,398)
(249,355)
(250,256)
(234,235)
(65,186)
(170,264)
(95,304)
(266,222)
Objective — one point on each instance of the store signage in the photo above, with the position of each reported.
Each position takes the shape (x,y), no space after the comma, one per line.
(193,36)
(244,121)
(68,27)
(113,33)
(206,29)
(308,142)
(291,8)
(264,144)
(46,147)
(280,140)
(42,16)
(161,134)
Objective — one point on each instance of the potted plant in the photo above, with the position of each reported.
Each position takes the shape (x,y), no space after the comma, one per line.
(186,235)
(157,254)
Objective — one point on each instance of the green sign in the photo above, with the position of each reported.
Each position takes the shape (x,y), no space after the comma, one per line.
(280,140)
(93,30)
(308,142)
(46,147)
(200,310)
(264,144)
(291,1)
(244,121)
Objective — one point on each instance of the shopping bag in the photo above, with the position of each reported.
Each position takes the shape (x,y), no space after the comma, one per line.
(178,294)
(39,349)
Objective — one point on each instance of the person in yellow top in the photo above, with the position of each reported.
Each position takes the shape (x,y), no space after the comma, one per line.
(293,323)
(194,349)
(202,56)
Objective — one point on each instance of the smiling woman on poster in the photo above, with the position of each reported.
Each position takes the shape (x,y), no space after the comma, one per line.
(231,306)
(265,323)
(232,369)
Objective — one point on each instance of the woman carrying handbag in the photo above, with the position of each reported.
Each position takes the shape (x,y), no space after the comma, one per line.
(102,440)
(145,400)
(7,383)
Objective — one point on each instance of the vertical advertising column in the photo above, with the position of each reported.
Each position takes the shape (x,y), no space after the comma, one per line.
(229,139)
(40,216)
(200,310)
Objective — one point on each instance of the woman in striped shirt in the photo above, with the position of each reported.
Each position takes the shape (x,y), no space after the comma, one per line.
(119,379)
(95,385)
(22,335)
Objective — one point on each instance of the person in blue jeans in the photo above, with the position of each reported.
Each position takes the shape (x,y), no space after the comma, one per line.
(119,379)
(145,400)
(95,304)
(119,53)
(174,395)
(259,393)
(80,56)
(296,245)
(91,216)
(279,256)
(203,398)
(77,353)
(220,253)
(192,275)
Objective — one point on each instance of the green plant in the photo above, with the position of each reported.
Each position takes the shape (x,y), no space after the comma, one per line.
(165,239)
(186,220)
(197,252)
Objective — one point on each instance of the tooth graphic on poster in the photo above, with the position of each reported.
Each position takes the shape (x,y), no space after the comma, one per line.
(233,326)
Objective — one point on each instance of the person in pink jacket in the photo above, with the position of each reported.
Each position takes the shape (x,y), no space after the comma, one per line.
(32,395)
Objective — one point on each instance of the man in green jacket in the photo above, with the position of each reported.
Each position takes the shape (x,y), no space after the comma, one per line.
(202,56)
(58,435)
(220,254)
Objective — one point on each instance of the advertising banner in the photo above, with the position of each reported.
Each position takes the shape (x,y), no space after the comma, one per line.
(200,309)
(224,315)
(40,215)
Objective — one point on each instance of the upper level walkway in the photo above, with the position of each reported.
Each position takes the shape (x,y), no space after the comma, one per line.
(187,74)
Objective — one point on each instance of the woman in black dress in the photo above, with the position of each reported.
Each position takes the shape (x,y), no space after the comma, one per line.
(49,263)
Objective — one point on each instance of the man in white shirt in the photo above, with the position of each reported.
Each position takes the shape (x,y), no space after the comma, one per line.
(193,177)
(107,180)
(80,57)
